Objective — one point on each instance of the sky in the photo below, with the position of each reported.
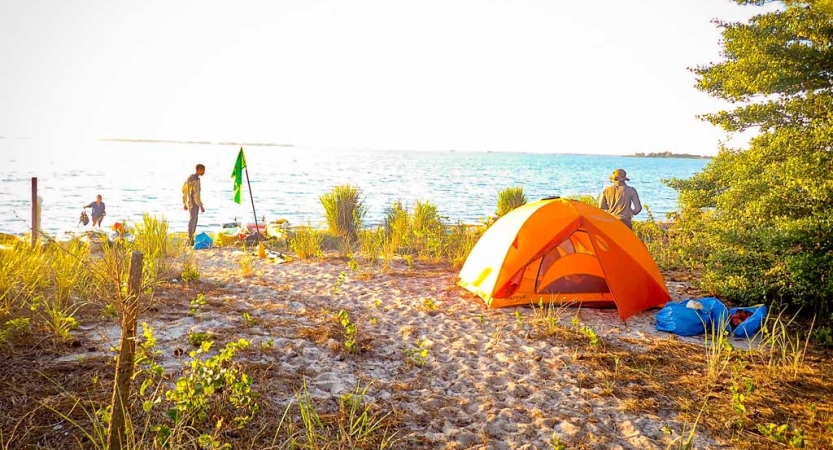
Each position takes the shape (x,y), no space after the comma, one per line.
(590,76)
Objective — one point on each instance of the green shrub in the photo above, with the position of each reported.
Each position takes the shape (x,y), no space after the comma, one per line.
(585,198)
(509,199)
(428,230)
(397,229)
(372,244)
(459,242)
(345,210)
(211,386)
(153,241)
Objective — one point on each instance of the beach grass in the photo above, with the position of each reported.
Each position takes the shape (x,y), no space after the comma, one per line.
(777,393)
(508,199)
(344,210)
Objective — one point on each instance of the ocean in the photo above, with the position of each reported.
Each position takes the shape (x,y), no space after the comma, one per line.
(286,182)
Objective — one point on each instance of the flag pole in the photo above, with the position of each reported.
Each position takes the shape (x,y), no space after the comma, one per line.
(257,227)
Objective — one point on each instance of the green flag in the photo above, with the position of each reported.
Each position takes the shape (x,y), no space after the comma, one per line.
(237,175)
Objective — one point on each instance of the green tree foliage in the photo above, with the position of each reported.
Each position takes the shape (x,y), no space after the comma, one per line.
(766,213)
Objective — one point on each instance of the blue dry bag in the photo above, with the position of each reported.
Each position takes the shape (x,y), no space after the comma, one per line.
(752,324)
(676,318)
(203,241)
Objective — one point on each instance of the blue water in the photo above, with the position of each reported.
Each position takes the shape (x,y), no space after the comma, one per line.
(287,182)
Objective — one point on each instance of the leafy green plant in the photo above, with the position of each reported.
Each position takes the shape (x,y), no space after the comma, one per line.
(15,327)
(509,199)
(557,444)
(591,336)
(247,318)
(339,281)
(110,312)
(58,318)
(353,264)
(198,338)
(588,332)
(417,355)
(429,304)
(782,433)
(19,326)
(823,336)
(197,303)
(344,209)
(190,270)
(349,331)
(775,432)
(217,376)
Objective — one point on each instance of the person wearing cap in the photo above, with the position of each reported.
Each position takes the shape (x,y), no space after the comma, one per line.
(621,200)
(192,201)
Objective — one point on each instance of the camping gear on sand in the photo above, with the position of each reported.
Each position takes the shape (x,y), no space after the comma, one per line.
(227,236)
(251,227)
(277,229)
(749,325)
(695,317)
(203,241)
(563,251)
(692,317)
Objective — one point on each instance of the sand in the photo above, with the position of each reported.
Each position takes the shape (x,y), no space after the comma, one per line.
(486,381)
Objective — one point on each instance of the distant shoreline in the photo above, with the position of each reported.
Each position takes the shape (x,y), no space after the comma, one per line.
(667,155)
(170,141)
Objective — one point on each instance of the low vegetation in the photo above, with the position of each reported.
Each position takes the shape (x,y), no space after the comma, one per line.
(777,392)
(509,199)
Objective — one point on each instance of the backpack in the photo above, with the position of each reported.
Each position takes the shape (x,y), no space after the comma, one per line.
(186,192)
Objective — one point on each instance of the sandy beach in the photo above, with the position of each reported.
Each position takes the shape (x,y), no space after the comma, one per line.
(456,374)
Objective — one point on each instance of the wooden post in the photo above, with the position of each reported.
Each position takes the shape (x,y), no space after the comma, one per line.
(35,212)
(127,353)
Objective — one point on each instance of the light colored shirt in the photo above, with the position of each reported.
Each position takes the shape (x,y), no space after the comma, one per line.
(193,194)
(617,200)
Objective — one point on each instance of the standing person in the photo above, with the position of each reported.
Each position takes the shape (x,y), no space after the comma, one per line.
(617,199)
(98,211)
(191,200)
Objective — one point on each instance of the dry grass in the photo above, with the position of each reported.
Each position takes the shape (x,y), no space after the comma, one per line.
(663,375)
(672,375)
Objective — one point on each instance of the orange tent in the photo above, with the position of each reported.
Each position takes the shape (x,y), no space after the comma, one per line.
(563,251)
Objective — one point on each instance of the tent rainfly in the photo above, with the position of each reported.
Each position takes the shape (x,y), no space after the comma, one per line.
(563,251)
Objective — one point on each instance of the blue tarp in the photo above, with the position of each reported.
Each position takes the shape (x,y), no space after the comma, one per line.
(679,318)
